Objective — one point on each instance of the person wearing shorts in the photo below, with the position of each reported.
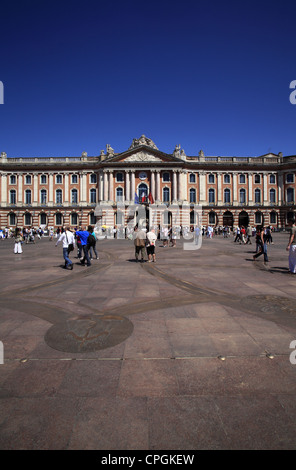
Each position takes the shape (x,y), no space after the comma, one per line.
(150,247)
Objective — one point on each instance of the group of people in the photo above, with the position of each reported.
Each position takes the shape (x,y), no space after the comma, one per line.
(86,245)
(145,242)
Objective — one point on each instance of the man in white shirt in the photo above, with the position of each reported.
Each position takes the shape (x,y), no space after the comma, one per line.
(67,238)
(151,241)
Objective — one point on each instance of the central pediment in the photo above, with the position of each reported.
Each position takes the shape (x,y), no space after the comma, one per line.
(143,156)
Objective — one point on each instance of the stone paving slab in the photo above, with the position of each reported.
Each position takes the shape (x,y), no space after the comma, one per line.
(191,352)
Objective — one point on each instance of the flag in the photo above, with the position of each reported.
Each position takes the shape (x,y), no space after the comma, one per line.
(151,198)
(143,198)
(136,199)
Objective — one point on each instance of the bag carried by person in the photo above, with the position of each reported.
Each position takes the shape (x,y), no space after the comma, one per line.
(70,245)
(91,241)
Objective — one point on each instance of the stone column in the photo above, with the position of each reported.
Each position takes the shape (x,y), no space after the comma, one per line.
(280,188)
(127,186)
(157,193)
(105,185)
(35,189)
(111,196)
(219,189)
(4,188)
(83,187)
(20,188)
(250,189)
(152,184)
(100,186)
(234,189)
(202,187)
(174,185)
(50,188)
(66,197)
(133,185)
(265,194)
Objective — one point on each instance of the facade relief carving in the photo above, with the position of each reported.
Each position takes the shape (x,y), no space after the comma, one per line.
(143,157)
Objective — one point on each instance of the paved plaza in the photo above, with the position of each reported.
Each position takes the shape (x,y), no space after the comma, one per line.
(191,352)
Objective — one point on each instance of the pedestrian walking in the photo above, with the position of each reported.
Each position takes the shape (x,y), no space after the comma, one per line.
(83,235)
(140,243)
(151,242)
(261,244)
(67,238)
(92,248)
(291,247)
(18,241)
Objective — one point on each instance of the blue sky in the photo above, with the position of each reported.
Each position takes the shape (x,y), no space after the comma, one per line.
(210,75)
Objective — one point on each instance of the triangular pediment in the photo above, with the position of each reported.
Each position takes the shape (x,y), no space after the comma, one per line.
(143,154)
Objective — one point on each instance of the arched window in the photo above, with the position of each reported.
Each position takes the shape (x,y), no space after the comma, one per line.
(74,179)
(242,196)
(93,195)
(28,179)
(28,196)
(119,194)
(227,196)
(192,195)
(12,196)
(59,197)
(257,195)
(59,179)
(43,179)
(74,196)
(272,195)
(12,179)
(166,195)
(142,192)
(92,218)
(43,194)
(211,196)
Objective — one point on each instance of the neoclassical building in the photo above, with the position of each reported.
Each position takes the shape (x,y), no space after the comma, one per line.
(88,189)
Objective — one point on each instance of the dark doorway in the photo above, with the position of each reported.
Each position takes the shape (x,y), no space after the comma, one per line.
(228,219)
(243,219)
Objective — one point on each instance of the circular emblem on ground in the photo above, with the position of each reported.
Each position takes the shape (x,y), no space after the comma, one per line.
(89,334)
(270,304)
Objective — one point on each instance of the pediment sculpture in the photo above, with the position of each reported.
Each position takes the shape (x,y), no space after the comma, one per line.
(143,140)
(142,157)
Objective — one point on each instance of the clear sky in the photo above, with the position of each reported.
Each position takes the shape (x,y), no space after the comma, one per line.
(210,75)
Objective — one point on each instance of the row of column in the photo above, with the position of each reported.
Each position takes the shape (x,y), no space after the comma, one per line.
(36,186)
(106,185)
(203,196)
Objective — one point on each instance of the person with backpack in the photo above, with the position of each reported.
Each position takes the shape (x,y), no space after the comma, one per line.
(92,243)
(83,235)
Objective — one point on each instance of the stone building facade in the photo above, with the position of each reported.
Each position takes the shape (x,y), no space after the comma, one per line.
(88,189)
